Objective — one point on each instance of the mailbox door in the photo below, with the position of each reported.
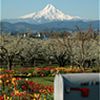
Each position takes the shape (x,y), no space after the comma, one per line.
(75,84)
(77,95)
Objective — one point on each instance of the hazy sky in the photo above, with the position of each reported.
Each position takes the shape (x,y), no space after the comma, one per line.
(84,8)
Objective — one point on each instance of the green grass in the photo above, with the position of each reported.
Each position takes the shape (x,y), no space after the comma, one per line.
(43,80)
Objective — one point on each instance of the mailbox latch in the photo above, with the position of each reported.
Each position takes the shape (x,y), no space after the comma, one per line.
(84,91)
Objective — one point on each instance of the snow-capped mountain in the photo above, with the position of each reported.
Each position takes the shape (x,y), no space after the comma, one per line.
(48,14)
(48,19)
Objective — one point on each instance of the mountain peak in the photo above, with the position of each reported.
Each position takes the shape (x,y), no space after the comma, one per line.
(49,6)
(50,9)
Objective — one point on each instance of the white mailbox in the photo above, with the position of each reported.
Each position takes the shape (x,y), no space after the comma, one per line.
(80,86)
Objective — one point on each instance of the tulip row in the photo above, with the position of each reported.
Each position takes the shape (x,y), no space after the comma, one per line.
(45,71)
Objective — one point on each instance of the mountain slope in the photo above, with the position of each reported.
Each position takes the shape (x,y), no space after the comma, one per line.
(48,14)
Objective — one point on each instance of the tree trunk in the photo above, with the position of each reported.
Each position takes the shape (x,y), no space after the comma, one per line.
(9,65)
(34,62)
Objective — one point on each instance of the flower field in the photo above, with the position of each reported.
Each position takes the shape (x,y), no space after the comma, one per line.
(46,71)
(20,83)
(49,71)
(12,88)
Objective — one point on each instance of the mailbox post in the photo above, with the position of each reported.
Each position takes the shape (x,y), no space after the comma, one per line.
(80,86)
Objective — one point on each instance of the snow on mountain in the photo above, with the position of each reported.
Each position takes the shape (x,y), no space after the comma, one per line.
(27,16)
(48,14)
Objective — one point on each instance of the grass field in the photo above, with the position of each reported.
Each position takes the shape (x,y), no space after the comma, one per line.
(43,80)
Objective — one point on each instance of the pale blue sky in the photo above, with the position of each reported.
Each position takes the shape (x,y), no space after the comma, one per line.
(84,8)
